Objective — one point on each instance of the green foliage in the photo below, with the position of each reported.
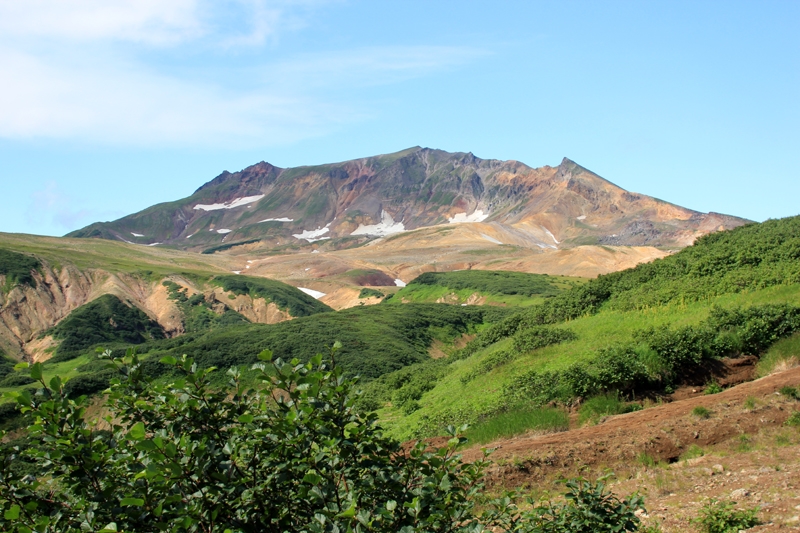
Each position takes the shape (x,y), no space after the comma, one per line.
(661,356)
(713,388)
(228,246)
(588,508)
(747,258)
(295,456)
(284,296)
(491,282)
(377,339)
(722,517)
(105,320)
(790,392)
(17,268)
(197,313)
(701,412)
(366,292)
(530,339)
(609,404)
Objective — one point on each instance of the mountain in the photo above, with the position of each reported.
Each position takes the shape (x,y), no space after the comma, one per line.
(349,204)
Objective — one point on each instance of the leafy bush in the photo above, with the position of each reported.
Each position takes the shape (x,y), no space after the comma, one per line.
(721,517)
(102,321)
(713,388)
(794,419)
(197,313)
(183,457)
(701,412)
(18,268)
(790,392)
(491,282)
(530,339)
(16,380)
(366,292)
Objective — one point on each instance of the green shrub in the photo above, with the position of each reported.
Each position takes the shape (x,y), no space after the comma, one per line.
(491,282)
(794,419)
(105,320)
(366,292)
(18,268)
(712,387)
(16,380)
(530,339)
(790,392)
(722,517)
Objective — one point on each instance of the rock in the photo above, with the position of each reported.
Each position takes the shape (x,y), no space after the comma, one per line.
(740,494)
(718,469)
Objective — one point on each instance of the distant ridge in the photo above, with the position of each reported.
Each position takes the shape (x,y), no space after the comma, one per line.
(347,204)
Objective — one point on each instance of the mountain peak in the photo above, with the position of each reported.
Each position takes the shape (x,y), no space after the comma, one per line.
(351,203)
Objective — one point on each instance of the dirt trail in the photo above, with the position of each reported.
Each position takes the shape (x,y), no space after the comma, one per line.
(663,432)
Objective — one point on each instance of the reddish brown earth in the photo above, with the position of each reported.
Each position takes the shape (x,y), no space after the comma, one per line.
(745,442)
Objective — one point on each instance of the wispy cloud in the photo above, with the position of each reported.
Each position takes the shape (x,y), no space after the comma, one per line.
(51,207)
(77,74)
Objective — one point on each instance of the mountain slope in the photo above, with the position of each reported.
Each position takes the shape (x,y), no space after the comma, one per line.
(348,204)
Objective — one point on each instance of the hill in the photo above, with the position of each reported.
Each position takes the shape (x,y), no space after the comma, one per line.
(643,331)
(84,286)
(348,204)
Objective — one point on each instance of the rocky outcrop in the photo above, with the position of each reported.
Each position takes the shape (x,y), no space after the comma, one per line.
(27,312)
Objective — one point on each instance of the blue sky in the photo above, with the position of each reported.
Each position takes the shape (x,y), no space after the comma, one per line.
(107,107)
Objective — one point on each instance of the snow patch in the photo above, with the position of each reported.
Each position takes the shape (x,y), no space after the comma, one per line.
(476,216)
(284,219)
(236,202)
(224,231)
(154,244)
(387,226)
(313,235)
(137,234)
(582,217)
(315,251)
(400,283)
(490,239)
(551,235)
(192,235)
(236,271)
(312,292)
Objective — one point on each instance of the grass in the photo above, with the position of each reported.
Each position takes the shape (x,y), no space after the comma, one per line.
(605,405)
(692,452)
(701,412)
(518,421)
(451,398)
(785,352)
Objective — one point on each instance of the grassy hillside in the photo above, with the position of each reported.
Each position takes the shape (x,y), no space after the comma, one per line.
(495,286)
(653,326)
(106,320)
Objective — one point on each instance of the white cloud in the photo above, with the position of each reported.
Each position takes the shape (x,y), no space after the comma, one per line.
(81,70)
(144,21)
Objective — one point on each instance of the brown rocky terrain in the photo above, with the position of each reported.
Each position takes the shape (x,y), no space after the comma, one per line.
(743,452)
